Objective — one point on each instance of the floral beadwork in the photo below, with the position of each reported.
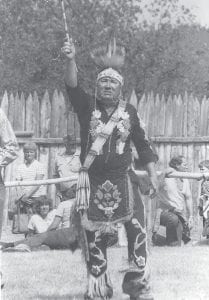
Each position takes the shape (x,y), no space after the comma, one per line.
(140,261)
(123,128)
(123,125)
(107,198)
(123,131)
(96,125)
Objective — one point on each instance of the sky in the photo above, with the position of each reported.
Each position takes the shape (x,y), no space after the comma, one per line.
(200,9)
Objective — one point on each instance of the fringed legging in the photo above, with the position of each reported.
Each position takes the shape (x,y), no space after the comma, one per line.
(135,279)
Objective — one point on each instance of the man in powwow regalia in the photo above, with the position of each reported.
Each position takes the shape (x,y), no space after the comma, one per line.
(105,193)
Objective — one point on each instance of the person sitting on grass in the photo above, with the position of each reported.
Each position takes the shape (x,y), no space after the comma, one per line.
(204,199)
(64,211)
(43,218)
(63,232)
(173,197)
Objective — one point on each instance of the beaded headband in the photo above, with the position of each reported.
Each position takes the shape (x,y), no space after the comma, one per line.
(110,73)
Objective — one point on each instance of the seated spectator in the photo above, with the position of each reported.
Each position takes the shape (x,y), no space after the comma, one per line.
(31,169)
(60,230)
(43,218)
(204,199)
(64,238)
(64,212)
(173,197)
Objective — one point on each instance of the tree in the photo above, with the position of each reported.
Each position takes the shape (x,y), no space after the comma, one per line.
(32,34)
(164,55)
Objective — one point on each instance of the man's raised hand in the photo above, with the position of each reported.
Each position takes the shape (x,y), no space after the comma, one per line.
(68,49)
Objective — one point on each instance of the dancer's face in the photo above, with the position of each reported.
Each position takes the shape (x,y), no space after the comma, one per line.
(108,90)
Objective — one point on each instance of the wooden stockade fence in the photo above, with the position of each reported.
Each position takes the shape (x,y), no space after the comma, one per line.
(176,124)
(45,120)
(47,117)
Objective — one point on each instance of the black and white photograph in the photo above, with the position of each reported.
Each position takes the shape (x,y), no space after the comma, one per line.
(104,149)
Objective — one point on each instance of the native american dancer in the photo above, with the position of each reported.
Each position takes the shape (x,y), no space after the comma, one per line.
(105,193)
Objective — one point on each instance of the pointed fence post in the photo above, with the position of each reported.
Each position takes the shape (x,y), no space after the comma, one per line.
(5,103)
(133,99)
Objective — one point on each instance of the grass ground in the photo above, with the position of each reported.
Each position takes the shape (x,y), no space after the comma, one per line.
(177,274)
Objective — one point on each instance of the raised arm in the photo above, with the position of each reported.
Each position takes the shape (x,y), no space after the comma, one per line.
(71,78)
(78,98)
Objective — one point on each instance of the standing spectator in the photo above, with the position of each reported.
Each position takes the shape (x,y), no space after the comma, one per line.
(173,197)
(204,199)
(30,170)
(8,153)
(66,165)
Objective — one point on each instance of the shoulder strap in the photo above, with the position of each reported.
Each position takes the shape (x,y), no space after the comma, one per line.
(104,135)
(83,184)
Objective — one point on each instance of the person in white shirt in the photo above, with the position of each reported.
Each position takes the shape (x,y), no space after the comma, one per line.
(61,234)
(63,214)
(30,170)
(65,237)
(43,218)
(174,204)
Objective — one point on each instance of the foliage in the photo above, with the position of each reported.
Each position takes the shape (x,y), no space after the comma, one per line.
(160,56)
(172,60)
(30,36)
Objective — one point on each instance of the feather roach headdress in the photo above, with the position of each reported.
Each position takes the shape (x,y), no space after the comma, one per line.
(110,56)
